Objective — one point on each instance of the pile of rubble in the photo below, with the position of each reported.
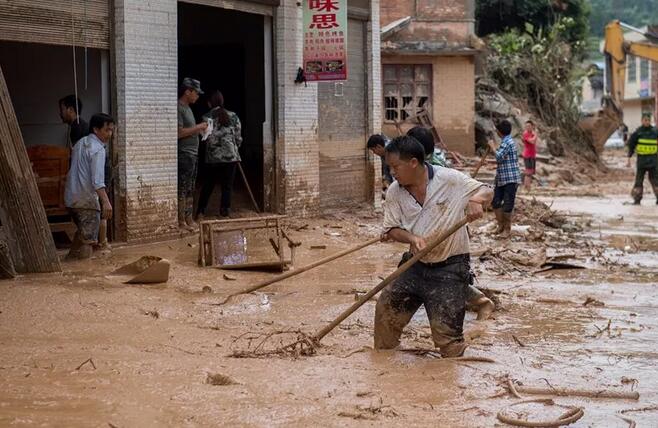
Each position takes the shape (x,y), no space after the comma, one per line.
(492,105)
(555,166)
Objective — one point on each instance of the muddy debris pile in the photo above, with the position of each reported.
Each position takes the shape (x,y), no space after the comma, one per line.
(492,105)
(557,166)
(542,239)
(533,212)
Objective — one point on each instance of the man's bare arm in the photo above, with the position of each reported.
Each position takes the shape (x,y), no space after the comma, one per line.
(106,207)
(195,130)
(483,196)
(416,242)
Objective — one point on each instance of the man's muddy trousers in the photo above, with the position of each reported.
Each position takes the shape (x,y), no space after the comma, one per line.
(472,293)
(441,287)
(187,167)
(646,164)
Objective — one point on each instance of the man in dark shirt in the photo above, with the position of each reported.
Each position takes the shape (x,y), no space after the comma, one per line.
(644,143)
(377,144)
(70,109)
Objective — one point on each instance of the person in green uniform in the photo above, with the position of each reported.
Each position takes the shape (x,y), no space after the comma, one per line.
(188,150)
(644,143)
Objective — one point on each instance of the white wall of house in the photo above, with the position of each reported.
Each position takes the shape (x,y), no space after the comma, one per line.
(38,75)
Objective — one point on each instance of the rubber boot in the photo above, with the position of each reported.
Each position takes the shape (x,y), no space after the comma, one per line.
(191,223)
(74,251)
(637,194)
(498,212)
(182,224)
(507,226)
(102,236)
(189,219)
(453,350)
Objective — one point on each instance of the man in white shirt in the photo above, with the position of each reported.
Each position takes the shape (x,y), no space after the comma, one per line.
(422,203)
(85,194)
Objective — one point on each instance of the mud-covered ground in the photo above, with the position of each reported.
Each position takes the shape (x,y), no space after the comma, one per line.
(153,346)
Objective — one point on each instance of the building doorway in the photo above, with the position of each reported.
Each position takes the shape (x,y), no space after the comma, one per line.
(37,76)
(227,50)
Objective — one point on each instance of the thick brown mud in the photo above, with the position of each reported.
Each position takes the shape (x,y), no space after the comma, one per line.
(153,347)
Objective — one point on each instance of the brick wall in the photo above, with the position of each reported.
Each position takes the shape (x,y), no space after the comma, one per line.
(453,98)
(392,10)
(297,139)
(343,128)
(438,10)
(374,97)
(454,101)
(146,80)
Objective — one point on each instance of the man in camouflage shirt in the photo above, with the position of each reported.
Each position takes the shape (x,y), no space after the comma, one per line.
(188,147)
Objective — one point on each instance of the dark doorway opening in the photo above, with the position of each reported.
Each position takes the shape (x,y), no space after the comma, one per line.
(224,49)
(37,76)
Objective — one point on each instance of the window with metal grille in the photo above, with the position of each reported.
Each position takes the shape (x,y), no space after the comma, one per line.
(407,90)
(644,70)
(631,68)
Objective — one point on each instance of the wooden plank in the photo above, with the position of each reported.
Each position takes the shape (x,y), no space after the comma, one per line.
(21,211)
(202,245)
(245,219)
(6,264)
(256,265)
(56,22)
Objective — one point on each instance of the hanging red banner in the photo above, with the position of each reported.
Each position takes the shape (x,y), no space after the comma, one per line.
(325,40)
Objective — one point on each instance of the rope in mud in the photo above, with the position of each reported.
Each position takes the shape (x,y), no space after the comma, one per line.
(572,415)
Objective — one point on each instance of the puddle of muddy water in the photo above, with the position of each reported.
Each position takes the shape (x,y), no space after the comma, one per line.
(151,371)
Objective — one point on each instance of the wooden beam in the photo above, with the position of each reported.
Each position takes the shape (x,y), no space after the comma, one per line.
(21,211)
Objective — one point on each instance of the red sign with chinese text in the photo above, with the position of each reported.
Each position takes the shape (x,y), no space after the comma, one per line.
(325,40)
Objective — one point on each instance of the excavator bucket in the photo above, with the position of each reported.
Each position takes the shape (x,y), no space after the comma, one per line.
(601,125)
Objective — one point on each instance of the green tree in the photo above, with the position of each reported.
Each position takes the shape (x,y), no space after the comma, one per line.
(637,13)
(498,16)
(541,68)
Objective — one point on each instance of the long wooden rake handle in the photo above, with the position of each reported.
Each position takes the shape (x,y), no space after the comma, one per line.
(392,277)
(482,160)
(292,273)
(246,183)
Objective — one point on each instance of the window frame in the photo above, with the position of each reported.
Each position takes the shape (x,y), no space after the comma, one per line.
(645,71)
(400,107)
(631,68)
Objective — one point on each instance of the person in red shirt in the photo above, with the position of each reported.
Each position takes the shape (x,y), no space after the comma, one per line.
(529,153)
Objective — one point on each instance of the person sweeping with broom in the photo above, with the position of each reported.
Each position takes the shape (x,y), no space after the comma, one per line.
(422,204)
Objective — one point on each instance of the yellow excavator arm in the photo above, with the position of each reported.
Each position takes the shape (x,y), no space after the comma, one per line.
(616,50)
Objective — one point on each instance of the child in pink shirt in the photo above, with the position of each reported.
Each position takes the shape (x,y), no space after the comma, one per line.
(529,153)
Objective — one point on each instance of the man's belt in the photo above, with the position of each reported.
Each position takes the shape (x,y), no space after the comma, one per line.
(459,258)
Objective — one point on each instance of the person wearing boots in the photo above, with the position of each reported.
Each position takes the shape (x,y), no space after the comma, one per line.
(222,155)
(508,178)
(188,151)
(85,195)
(644,143)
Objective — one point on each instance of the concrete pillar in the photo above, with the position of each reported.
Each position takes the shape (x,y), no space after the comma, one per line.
(374,82)
(298,161)
(146,77)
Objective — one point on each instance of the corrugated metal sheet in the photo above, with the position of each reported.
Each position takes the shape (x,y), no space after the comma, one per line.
(343,127)
(49,21)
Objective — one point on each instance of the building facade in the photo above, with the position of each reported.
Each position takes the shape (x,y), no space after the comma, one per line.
(639,88)
(304,144)
(428,50)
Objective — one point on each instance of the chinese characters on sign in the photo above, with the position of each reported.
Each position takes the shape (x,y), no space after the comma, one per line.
(325,40)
